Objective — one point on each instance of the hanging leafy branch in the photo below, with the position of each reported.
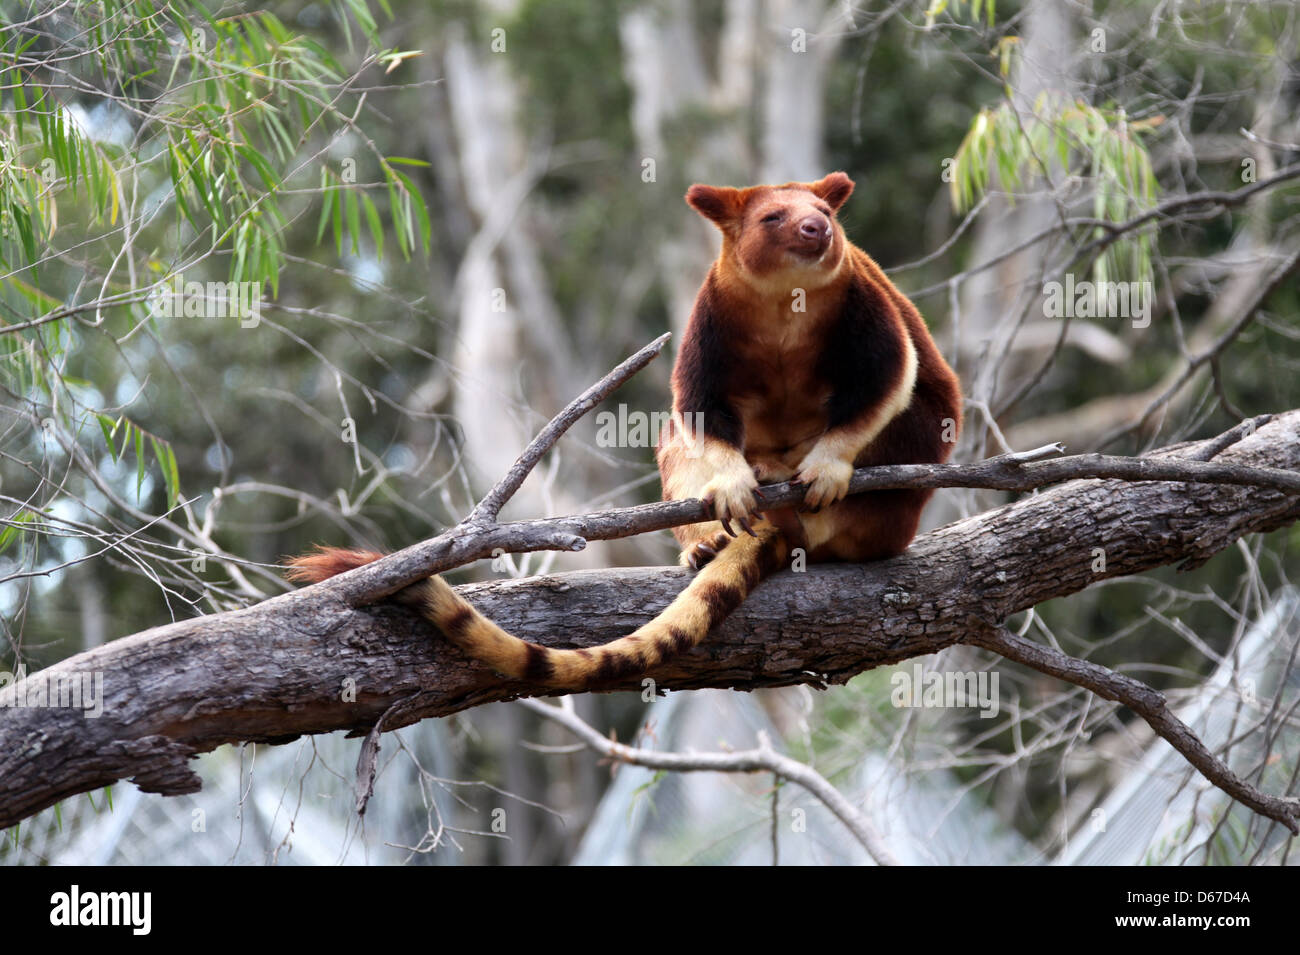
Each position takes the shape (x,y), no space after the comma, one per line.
(1064,137)
(159,139)
(978,8)
(223,106)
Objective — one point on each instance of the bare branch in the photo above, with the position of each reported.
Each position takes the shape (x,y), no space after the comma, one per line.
(1199,205)
(1247,315)
(1212,201)
(761,759)
(1146,703)
(487,509)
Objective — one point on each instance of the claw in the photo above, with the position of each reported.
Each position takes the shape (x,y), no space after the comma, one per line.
(727,527)
(758,495)
(744,526)
(701,552)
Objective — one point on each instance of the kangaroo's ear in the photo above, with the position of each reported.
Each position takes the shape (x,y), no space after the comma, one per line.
(721,205)
(835,189)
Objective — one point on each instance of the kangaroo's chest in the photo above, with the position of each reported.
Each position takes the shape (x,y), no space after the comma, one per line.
(780,397)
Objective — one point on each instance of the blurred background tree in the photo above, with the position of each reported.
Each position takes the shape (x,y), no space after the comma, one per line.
(459,213)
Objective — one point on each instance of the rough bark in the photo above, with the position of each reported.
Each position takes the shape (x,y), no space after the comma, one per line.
(277,670)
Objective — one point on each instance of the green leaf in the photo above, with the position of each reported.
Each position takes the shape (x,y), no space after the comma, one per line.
(23,223)
(376,227)
(139,462)
(936,9)
(272,25)
(75,162)
(338,221)
(43,117)
(273,263)
(284,145)
(395,210)
(31,293)
(106,425)
(15,527)
(417,201)
(257,257)
(326,207)
(20,98)
(97,193)
(264,170)
(166,458)
(323,57)
(364,20)
(241,252)
(354,218)
(256,42)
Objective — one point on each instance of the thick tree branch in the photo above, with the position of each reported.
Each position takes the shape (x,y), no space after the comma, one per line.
(1009,472)
(280,669)
(480,534)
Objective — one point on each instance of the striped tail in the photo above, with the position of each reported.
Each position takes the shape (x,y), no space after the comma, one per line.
(711,596)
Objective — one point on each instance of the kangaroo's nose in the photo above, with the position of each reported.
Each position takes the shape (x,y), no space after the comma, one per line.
(814,227)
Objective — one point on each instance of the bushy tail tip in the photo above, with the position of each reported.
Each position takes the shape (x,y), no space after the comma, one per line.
(326,562)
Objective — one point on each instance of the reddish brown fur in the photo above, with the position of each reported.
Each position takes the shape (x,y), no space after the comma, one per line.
(325,562)
(853,378)
(765,378)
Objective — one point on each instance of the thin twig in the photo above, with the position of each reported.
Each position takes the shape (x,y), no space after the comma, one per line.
(761,759)
(486,510)
(1230,437)
(1146,703)
(1194,363)
(368,757)
(776,820)
(1214,203)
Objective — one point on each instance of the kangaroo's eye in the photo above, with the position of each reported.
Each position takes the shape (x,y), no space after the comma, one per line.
(772,217)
